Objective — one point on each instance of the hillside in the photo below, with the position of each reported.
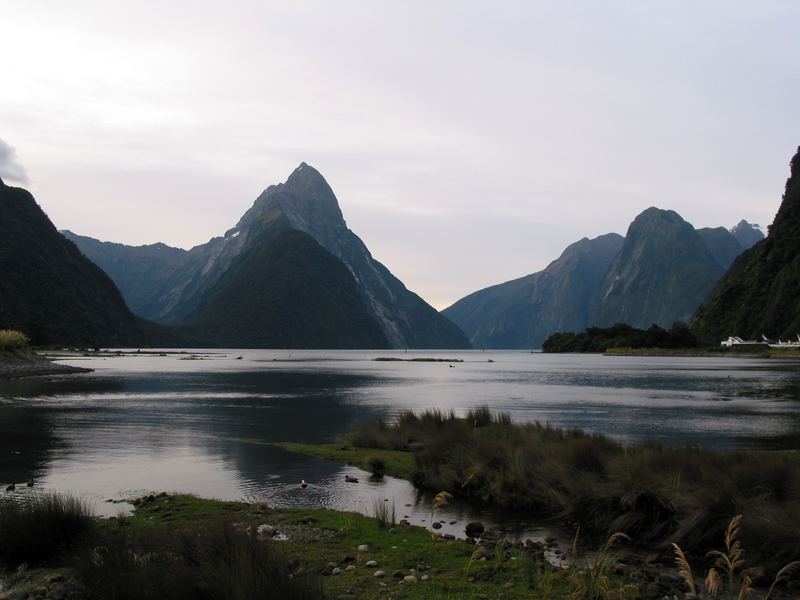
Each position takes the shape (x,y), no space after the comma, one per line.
(761,292)
(52,292)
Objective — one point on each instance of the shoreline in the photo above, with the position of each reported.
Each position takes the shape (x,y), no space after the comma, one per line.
(16,366)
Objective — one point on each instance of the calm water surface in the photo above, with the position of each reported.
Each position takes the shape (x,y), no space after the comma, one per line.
(148,422)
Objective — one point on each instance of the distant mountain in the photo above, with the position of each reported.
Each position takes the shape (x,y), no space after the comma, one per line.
(522,313)
(724,247)
(51,291)
(761,292)
(285,291)
(747,234)
(142,273)
(661,275)
(658,274)
(173,287)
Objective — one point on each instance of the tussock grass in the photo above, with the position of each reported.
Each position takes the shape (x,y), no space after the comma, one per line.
(40,528)
(654,495)
(214,562)
(384,512)
(13,341)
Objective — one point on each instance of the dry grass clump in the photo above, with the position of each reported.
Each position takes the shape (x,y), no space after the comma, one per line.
(655,495)
(13,341)
(728,575)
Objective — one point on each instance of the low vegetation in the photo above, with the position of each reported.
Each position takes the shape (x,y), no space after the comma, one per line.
(12,340)
(603,339)
(41,528)
(654,495)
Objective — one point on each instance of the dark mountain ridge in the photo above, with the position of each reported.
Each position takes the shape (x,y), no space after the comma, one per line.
(760,294)
(52,292)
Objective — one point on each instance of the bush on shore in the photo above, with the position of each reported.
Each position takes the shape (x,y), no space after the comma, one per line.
(13,341)
(654,495)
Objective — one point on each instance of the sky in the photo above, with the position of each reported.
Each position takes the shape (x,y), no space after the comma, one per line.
(468,143)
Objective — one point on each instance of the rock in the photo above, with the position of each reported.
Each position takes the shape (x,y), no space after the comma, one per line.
(350,568)
(363,548)
(425,578)
(371,564)
(436,525)
(410,579)
(474,529)
(54,578)
(508,585)
(392,530)
(380,574)
(453,522)
(326,570)
(449,536)
(265,530)
(398,574)
(336,571)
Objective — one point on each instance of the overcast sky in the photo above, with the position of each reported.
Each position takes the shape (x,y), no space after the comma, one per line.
(468,143)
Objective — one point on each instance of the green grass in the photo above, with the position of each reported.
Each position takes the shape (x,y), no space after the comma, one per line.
(396,463)
(336,538)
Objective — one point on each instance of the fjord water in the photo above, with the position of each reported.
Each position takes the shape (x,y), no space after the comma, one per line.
(145,422)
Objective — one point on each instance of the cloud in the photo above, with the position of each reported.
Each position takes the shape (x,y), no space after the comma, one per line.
(10,169)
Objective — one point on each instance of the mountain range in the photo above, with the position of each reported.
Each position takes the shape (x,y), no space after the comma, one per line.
(213,291)
(659,273)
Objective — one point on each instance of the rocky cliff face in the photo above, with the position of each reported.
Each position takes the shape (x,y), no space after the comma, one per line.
(306,203)
(522,313)
(50,291)
(760,292)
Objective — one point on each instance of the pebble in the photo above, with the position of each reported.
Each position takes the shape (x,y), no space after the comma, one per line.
(410,579)
(363,548)
(350,568)
(371,564)
(425,578)
(336,571)
(398,574)
(436,525)
(380,574)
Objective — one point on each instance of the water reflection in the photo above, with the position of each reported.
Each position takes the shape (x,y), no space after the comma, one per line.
(142,423)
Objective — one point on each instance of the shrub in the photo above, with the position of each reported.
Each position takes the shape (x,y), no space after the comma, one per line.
(40,528)
(12,340)
(377,465)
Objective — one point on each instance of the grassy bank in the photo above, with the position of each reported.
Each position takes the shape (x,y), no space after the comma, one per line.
(655,495)
(186,547)
(397,463)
